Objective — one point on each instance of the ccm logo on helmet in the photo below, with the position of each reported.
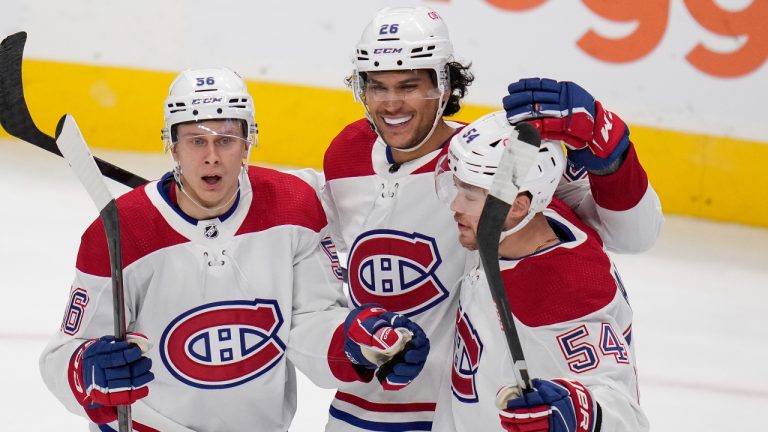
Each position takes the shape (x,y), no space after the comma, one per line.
(223,344)
(387,50)
(207,100)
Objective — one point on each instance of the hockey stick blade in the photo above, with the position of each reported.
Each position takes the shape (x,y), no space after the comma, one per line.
(16,119)
(518,158)
(75,150)
(72,145)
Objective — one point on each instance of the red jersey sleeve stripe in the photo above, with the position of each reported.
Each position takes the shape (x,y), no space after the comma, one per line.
(623,189)
(143,230)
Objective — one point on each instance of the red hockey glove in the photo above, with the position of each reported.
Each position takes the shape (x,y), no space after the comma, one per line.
(105,373)
(559,405)
(596,138)
(391,342)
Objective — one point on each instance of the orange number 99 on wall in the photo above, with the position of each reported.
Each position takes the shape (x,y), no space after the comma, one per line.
(747,27)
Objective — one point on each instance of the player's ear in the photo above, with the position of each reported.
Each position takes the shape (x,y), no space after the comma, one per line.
(520,205)
(517,210)
(174,154)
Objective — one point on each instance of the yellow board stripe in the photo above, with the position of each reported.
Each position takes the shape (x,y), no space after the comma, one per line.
(705,176)
(121,108)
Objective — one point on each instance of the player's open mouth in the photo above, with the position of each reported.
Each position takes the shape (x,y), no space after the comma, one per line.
(397,121)
(211,180)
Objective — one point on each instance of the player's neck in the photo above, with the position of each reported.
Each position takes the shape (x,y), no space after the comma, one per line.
(194,208)
(534,237)
(440,135)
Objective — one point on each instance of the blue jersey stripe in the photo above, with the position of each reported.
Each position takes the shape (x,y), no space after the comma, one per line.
(380,426)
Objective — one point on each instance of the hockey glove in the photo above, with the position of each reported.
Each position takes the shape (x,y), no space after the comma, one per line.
(376,338)
(115,372)
(559,405)
(597,139)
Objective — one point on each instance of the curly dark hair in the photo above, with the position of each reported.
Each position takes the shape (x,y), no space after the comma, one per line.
(460,79)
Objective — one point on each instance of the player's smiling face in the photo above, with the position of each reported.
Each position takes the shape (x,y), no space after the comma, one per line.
(210,154)
(402,105)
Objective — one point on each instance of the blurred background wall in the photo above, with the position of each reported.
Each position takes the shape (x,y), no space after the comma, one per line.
(688,76)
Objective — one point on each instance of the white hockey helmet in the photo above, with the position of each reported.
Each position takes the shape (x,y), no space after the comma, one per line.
(474,155)
(404,38)
(208,94)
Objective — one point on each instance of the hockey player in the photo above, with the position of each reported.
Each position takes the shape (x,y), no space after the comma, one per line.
(568,302)
(226,288)
(398,238)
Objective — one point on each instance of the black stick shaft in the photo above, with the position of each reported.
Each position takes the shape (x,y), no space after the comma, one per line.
(17,121)
(488,234)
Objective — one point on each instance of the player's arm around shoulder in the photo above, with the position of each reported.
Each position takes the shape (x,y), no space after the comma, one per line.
(621,204)
(629,208)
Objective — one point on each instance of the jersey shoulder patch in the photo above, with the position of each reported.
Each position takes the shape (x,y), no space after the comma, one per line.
(349,154)
(559,286)
(281,199)
(565,283)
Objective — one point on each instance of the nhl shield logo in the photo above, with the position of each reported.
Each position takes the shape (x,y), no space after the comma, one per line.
(211,231)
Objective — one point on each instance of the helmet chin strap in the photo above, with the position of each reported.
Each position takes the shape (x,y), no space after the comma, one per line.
(438,116)
(518,227)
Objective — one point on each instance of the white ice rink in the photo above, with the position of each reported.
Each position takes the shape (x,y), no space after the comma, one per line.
(699,296)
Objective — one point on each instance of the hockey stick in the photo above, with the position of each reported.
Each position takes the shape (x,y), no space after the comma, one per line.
(16,119)
(517,159)
(74,149)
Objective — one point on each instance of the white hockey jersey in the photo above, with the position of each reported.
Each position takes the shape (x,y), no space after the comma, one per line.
(403,253)
(230,305)
(573,319)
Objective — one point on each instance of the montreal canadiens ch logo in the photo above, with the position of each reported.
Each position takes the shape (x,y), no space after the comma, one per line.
(223,344)
(396,270)
(467,350)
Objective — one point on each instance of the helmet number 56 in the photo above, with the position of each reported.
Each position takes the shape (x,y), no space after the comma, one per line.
(205,81)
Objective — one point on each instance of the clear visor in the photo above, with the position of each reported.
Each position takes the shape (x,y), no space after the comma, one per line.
(460,197)
(221,133)
(377,92)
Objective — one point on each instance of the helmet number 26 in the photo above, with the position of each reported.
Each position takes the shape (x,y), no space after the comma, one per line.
(388,29)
